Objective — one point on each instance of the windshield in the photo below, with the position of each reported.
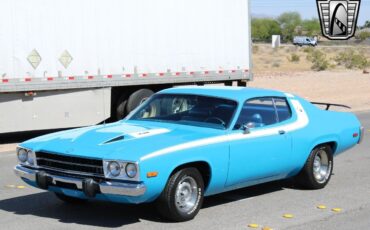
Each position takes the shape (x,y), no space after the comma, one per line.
(188,110)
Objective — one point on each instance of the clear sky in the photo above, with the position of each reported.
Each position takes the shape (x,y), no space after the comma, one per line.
(307,8)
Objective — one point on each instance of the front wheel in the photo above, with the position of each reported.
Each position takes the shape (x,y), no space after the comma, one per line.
(183,195)
(317,171)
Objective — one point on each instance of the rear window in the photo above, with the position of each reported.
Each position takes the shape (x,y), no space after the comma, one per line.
(263,112)
(283,109)
(259,111)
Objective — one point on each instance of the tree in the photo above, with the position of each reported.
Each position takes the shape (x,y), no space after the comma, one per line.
(288,22)
(311,27)
(264,28)
(367,24)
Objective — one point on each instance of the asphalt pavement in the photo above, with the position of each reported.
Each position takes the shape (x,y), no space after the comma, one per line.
(344,203)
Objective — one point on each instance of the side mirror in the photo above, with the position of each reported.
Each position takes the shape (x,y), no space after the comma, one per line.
(248,126)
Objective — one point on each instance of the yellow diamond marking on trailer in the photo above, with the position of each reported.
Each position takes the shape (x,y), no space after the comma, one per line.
(10,186)
(336,209)
(21,186)
(34,58)
(253,225)
(288,216)
(65,59)
(321,206)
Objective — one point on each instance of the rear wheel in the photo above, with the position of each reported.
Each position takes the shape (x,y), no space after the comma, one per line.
(183,195)
(69,199)
(317,171)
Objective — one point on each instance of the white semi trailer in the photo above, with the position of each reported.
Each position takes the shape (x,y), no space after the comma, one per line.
(69,63)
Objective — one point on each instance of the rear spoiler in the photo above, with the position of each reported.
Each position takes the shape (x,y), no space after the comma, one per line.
(330,104)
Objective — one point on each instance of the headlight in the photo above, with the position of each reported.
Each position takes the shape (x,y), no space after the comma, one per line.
(30,157)
(131,170)
(22,155)
(114,168)
(121,170)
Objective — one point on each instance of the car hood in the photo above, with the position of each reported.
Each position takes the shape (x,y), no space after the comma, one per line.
(121,140)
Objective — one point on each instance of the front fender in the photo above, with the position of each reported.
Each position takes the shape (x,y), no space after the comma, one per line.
(216,156)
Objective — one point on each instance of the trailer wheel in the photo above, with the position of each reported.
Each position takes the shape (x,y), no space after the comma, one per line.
(121,107)
(137,98)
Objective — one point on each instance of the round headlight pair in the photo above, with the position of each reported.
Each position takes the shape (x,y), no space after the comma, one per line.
(26,156)
(114,169)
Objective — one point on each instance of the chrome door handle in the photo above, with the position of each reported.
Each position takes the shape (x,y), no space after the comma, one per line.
(281,132)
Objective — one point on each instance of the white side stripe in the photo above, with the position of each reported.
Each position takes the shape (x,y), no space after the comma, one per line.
(289,95)
(302,121)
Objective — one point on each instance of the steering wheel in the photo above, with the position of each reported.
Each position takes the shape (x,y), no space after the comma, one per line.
(217,119)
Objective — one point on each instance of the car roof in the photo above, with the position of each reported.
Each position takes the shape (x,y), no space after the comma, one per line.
(228,92)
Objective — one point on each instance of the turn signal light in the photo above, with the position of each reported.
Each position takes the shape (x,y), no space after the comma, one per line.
(151,174)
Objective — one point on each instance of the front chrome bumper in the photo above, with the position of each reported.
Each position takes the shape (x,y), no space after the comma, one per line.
(105,187)
(362,133)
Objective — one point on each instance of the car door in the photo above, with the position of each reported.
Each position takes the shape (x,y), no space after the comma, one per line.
(262,152)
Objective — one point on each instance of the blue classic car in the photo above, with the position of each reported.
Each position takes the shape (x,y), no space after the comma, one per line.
(186,143)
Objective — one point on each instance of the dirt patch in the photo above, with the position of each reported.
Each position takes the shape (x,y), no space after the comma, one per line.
(351,88)
(292,58)
(7,147)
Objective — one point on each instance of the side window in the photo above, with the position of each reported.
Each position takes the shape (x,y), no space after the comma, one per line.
(259,111)
(283,109)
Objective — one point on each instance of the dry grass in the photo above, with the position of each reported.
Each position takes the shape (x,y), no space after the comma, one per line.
(336,86)
(274,69)
(268,59)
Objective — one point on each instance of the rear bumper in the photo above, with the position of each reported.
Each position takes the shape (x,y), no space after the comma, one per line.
(362,133)
(88,186)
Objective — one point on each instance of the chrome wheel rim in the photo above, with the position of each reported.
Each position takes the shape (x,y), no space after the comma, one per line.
(186,194)
(321,167)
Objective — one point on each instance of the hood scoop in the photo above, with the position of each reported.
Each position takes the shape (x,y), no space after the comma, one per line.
(119,138)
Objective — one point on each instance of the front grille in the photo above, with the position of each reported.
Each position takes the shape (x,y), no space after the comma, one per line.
(69,164)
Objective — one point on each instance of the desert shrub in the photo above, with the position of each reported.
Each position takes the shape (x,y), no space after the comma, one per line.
(307,49)
(318,60)
(363,35)
(294,58)
(276,64)
(352,60)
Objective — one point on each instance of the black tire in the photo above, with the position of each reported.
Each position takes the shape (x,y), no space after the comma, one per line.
(69,199)
(166,203)
(121,107)
(137,98)
(307,179)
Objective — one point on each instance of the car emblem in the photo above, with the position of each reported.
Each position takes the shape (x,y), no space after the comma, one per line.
(338,18)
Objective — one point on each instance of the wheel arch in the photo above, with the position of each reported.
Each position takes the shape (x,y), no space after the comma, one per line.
(203,167)
(332,144)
